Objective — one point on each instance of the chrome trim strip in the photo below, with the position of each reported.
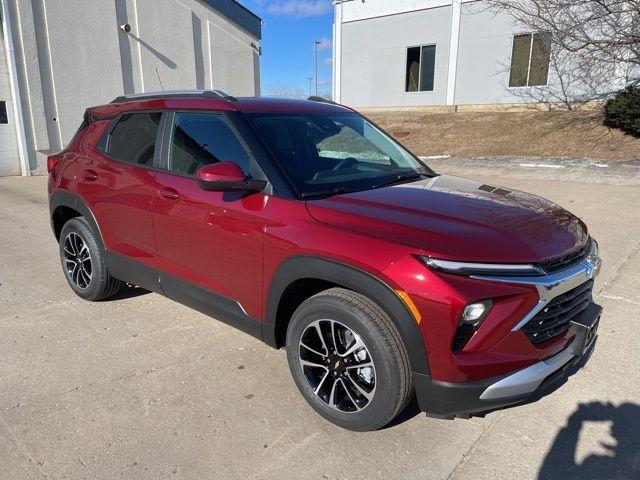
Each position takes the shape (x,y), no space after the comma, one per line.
(451,266)
(550,286)
(528,379)
(534,311)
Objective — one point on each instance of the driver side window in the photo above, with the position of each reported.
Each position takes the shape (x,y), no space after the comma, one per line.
(200,139)
(133,139)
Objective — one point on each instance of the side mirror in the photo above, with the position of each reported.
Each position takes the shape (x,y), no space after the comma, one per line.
(227,177)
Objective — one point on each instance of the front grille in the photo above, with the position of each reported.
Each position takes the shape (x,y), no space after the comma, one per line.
(555,318)
(566,261)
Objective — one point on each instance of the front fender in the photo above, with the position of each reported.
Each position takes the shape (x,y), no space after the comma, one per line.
(353,278)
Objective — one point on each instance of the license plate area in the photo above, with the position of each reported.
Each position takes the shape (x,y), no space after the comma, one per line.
(585,328)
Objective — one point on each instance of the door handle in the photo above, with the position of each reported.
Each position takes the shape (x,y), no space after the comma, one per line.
(169,193)
(89,176)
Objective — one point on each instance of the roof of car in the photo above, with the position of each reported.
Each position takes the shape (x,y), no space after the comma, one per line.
(278,105)
(214,100)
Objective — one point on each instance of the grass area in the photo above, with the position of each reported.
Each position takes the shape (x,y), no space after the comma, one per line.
(530,134)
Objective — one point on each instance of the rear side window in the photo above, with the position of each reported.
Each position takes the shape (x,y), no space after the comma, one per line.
(133,139)
(201,139)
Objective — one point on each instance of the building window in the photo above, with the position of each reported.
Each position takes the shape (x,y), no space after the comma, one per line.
(421,63)
(133,139)
(530,60)
(3,113)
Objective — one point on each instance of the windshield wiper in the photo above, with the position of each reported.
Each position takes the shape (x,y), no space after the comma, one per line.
(401,177)
(325,193)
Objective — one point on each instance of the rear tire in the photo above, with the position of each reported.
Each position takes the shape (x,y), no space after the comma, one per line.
(83,262)
(348,360)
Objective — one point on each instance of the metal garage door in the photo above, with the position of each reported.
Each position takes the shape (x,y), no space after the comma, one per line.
(9,159)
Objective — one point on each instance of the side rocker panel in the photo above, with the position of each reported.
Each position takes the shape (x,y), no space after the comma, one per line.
(350,277)
(210,303)
(133,272)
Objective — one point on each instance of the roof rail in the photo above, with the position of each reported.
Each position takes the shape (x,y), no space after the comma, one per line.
(315,98)
(174,93)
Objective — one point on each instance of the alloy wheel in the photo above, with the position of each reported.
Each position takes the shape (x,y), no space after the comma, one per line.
(77,260)
(337,365)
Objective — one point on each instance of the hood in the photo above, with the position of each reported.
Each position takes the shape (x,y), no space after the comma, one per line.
(458,219)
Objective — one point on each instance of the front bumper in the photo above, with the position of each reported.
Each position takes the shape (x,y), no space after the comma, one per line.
(450,399)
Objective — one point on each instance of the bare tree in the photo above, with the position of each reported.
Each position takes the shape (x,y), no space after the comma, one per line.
(289,91)
(595,45)
(285,90)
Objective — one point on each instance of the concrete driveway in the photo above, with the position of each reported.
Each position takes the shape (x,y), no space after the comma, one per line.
(140,387)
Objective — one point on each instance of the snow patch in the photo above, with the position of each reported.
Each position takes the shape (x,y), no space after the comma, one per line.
(540,165)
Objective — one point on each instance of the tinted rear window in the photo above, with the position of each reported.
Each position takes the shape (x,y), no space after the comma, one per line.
(133,139)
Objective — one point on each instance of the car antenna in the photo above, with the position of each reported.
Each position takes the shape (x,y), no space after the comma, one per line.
(159,80)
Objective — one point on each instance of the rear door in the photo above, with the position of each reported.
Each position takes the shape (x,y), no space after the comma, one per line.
(210,244)
(117,181)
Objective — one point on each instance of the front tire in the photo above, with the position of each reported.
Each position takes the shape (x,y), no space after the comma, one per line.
(83,262)
(348,360)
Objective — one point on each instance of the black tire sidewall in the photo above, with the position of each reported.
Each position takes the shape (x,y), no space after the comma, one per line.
(383,406)
(98,271)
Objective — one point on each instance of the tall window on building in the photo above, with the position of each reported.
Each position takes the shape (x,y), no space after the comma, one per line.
(3,113)
(530,60)
(421,63)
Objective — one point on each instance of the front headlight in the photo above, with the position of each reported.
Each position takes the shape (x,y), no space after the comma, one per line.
(490,269)
(593,258)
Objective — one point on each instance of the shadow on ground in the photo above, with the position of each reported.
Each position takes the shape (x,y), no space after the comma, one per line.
(128,291)
(621,461)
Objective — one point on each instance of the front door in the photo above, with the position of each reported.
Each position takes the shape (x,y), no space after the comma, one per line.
(210,244)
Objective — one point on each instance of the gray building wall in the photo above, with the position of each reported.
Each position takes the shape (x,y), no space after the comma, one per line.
(71,54)
(484,55)
(9,160)
(485,46)
(374,56)
(473,55)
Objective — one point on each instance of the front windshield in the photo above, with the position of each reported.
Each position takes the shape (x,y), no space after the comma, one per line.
(325,154)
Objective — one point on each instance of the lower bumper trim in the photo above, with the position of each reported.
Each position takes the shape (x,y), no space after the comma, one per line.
(446,399)
(527,380)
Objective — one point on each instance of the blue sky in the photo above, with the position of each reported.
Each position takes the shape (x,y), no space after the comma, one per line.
(287,44)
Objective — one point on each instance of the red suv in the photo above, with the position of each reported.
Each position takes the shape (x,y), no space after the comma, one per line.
(305,225)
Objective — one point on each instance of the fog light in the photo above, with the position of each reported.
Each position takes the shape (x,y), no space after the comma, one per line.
(474,313)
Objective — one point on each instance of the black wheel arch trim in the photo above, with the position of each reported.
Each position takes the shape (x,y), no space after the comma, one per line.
(68,199)
(319,268)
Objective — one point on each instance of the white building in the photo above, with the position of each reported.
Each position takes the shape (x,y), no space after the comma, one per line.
(58,57)
(419,53)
